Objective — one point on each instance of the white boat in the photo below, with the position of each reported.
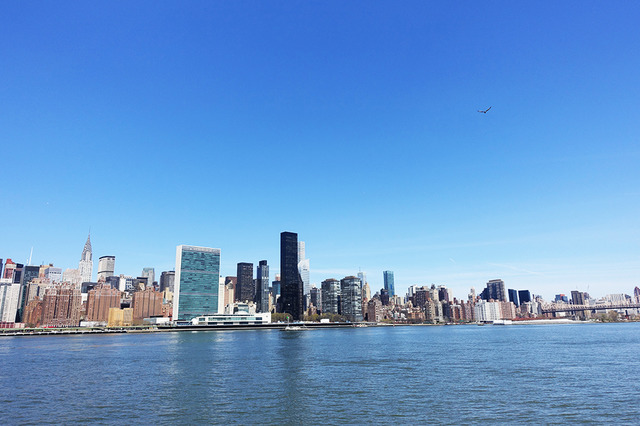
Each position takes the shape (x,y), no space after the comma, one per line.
(295,328)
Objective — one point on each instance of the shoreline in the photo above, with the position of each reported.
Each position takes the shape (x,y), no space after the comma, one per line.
(74,331)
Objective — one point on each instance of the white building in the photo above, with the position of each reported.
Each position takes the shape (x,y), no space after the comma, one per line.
(71,276)
(106,267)
(487,311)
(53,274)
(9,293)
(304,268)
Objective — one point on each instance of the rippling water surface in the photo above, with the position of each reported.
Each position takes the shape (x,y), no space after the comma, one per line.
(443,375)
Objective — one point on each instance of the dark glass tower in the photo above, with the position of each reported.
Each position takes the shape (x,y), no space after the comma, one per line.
(388,283)
(524,296)
(291,282)
(245,288)
(262,287)
(513,296)
(30,272)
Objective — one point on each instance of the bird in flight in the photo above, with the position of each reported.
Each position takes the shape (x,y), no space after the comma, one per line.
(485,111)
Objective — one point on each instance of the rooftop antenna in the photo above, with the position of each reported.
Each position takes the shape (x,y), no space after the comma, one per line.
(30,255)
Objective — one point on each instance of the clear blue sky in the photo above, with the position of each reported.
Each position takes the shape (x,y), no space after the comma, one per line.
(352,123)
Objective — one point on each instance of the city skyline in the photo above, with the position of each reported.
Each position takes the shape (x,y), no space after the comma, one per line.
(245,269)
(359,130)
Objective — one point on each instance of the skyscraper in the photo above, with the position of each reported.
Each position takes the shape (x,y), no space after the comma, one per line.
(331,296)
(316,298)
(30,272)
(245,289)
(86,262)
(524,296)
(291,282)
(351,299)
(99,300)
(388,283)
(197,282)
(167,281)
(9,294)
(495,290)
(150,274)
(513,296)
(303,268)
(363,278)
(262,288)
(106,267)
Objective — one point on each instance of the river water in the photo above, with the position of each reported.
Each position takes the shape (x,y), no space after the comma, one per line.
(379,375)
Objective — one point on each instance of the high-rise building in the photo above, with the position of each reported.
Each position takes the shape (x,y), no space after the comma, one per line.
(366,292)
(304,268)
(291,282)
(146,304)
(9,295)
(72,276)
(331,296)
(374,310)
(86,261)
(61,306)
(389,283)
(197,283)
(444,294)
(513,296)
(150,274)
(362,276)
(106,267)
(245,289)
(562,298)
(30,273)
(276,287)
(167,280)
(485,311)
(262,287)
(577,297)
(524,296)
(9,268)
(351,299)
(54,275)
(126,283)
(316,298)
(99,300)
(495,290)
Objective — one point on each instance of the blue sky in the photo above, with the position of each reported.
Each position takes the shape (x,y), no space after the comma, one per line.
(354,124)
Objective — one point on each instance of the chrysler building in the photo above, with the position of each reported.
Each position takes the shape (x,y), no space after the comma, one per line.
(86,262)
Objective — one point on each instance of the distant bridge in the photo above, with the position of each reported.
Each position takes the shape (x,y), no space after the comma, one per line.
(548,309)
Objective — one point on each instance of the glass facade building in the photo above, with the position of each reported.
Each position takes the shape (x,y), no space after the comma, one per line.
(388,283)
(351,299)
(245,289)
(197,282)
(331,296)
(513,296)
(262,288)
(524,296)
(291,282)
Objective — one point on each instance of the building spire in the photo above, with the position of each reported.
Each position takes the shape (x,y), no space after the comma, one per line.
(87,249)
